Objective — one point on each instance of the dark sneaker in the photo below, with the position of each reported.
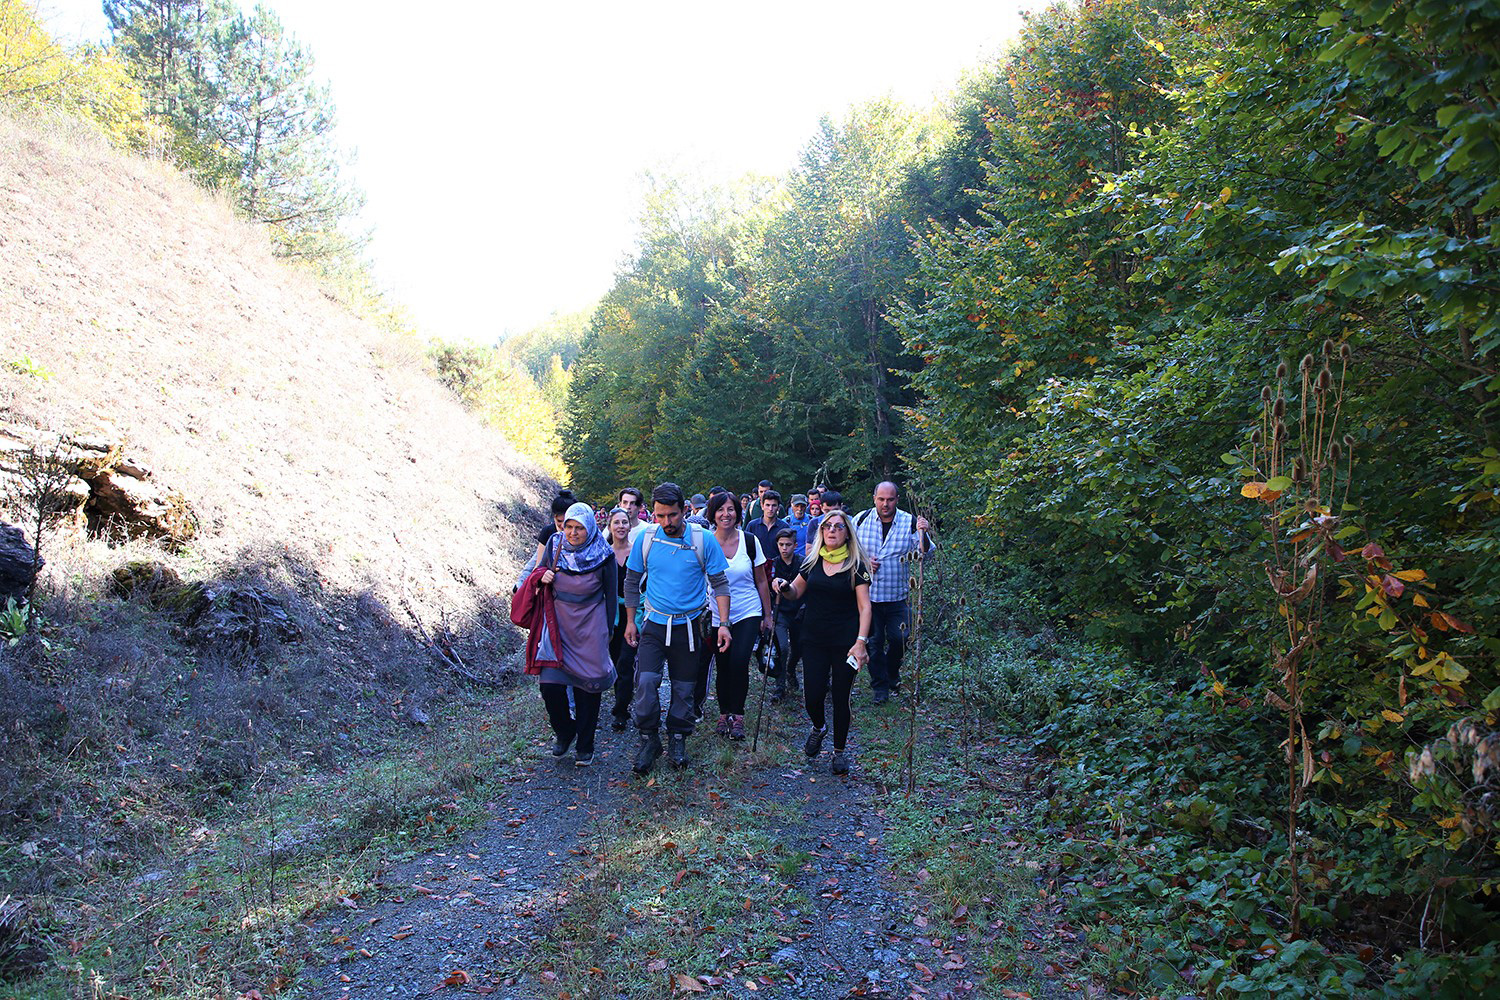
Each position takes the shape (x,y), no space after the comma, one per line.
(777,694)
(583,759)
(618,725)
(646,754)
(677,749)
(840,762)
(880,697)
(736,727)
(723,727)
(814,744)
(560,746)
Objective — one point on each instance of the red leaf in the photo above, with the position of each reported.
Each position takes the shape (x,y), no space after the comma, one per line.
(1392,586)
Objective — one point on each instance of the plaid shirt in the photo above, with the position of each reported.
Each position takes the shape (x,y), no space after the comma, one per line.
(891,581)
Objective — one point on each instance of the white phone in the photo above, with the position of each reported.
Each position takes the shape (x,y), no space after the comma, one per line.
(853,663)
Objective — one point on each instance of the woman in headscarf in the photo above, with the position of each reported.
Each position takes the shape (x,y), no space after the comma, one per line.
(581,570)
(835,580)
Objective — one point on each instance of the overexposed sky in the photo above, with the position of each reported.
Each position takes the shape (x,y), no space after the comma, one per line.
(501,145)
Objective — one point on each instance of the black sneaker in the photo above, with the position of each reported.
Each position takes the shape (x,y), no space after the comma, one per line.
(880,697)
(814,744)
(618,725)
(840,762)
(677,749)
(560,746)
(583,759)
(646,754)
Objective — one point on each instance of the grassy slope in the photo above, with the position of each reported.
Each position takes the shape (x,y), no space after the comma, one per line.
(326,467)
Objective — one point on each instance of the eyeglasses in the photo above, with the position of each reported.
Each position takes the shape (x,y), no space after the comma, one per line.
(835,524)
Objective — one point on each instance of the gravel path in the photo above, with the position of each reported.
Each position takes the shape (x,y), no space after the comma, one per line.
(466,920)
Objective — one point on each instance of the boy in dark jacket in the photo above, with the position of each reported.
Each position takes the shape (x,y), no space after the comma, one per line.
(788,616)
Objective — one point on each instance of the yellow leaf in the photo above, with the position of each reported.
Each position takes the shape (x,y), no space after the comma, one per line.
(1392,716)
(688,983)
(1091,360)
(1224,194)
(1450,822)
(1411,575)
(1253,490)
(1419,600)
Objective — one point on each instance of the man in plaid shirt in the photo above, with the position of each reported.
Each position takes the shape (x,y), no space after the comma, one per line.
(890,537)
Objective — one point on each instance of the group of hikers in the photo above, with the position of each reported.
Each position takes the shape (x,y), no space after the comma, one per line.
(615,598)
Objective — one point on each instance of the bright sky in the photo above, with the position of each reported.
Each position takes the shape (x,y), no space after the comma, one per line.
(501,145)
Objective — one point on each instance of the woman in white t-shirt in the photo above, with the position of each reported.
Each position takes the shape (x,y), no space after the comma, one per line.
(749,612)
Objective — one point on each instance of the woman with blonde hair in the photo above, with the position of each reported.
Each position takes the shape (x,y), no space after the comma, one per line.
(835,587)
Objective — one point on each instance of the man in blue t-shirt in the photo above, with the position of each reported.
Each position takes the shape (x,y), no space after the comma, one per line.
(798,522)
(679,562)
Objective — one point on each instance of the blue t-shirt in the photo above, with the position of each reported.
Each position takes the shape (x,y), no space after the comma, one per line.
(799,525)
(675,584)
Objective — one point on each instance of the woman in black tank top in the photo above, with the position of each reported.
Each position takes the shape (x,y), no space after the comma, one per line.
(835,587)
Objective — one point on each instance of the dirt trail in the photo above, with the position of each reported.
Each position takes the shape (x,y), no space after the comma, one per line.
(851,924)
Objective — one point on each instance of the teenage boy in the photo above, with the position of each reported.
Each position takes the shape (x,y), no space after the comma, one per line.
(679,562)
(787,613)
(766,527)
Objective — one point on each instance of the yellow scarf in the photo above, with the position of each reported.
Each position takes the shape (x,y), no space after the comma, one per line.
(838,555)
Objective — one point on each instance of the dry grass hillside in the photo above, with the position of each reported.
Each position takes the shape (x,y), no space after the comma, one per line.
(325,469)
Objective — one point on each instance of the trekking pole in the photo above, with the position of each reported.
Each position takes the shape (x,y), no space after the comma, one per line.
(765,677)
(914,704)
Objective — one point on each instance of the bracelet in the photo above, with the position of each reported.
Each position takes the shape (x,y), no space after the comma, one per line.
(862,638)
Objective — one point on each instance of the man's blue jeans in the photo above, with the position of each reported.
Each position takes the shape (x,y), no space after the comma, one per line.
(888,626)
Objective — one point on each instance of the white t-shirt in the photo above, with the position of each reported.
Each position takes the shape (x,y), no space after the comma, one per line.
(744,595)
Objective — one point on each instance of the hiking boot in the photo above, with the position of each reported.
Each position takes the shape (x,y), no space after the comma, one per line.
(560,745)
(840,762)
(583,759)
(677,749)
(814,744)
(646,755)
(736,727)
(723,728)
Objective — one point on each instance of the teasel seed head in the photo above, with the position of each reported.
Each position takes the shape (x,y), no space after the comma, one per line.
(1306,365)
(1346,353)
(1327,349)
(1255,438)
(1265,394)
(1279,410)
(1335,452)
(1325,379)
(1280,430)
(1299,470)
(1281,371)
(1349,441)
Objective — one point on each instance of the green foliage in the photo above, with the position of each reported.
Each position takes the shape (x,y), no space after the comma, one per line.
(505,395)
(26,365)
(15,622)
(750,337)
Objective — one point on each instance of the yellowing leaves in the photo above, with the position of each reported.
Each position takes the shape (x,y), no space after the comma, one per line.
(1391,716)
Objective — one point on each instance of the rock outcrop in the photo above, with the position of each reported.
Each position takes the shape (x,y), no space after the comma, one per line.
(119,497)
(17,569)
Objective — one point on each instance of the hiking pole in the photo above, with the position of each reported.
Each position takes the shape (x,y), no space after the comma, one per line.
(765,678)
(916,691)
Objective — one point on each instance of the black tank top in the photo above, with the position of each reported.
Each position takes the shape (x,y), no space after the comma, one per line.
(830,609)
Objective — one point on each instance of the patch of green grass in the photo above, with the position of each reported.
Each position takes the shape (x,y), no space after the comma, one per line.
(219,907)
(959,837)
(687,878)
